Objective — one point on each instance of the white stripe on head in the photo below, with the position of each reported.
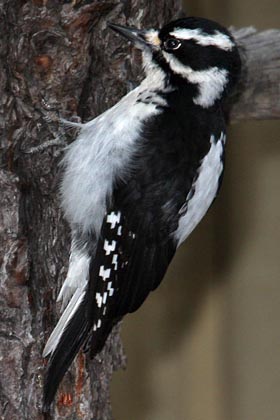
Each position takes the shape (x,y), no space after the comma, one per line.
(218,39)
(211,82)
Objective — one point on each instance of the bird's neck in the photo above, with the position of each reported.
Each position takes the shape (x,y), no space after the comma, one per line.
(204,88)
(159,81)
(174,90)
(156,79)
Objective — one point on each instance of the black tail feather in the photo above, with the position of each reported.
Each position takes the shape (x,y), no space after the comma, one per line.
(78,333)
(71,340)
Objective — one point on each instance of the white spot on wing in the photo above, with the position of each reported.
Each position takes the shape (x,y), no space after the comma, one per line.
(115,261)
(98,299)
(108,248)
(104,273)
(206,186)
(113,218)
(110,289)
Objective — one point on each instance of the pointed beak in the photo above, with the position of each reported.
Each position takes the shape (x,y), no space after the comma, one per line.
(140,38)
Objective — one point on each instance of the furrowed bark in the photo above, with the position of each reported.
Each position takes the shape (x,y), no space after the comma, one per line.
(57,57)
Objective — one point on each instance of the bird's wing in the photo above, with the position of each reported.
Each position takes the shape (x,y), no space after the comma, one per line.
(131,260)
(132,255)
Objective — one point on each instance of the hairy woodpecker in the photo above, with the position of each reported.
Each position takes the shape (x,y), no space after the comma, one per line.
(138,179)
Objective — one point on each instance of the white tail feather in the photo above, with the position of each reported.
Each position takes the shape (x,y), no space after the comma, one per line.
(71,293)
(77,276)
(63,321)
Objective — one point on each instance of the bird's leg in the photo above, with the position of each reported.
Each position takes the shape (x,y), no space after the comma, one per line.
(57,127)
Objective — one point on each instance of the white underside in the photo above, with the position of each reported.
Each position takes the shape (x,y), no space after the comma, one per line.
(92,164)
(101,155)
(206,186)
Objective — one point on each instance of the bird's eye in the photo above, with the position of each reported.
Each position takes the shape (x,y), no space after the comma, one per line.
(171,44)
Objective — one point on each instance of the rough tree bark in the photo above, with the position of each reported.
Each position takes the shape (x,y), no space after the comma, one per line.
(60,53)
(49,56)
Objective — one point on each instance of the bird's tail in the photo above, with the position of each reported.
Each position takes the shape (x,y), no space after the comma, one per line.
(75,328)
(67,344)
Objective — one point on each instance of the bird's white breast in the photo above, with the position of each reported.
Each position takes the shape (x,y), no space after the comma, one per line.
(203,190)
(99,156)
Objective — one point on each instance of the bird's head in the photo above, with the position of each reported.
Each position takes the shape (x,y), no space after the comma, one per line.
(191,50)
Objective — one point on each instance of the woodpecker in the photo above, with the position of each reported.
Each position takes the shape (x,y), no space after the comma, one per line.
(138,179)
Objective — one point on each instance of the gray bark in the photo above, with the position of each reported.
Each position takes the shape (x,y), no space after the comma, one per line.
(260,87)
(48,55)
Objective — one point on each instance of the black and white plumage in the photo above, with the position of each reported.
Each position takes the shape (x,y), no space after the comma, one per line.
(138,179)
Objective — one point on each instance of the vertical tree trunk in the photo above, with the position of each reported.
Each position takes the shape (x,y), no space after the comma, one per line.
(56,57)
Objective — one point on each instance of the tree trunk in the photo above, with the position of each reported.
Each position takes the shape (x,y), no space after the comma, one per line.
(59,57)
(54,55)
